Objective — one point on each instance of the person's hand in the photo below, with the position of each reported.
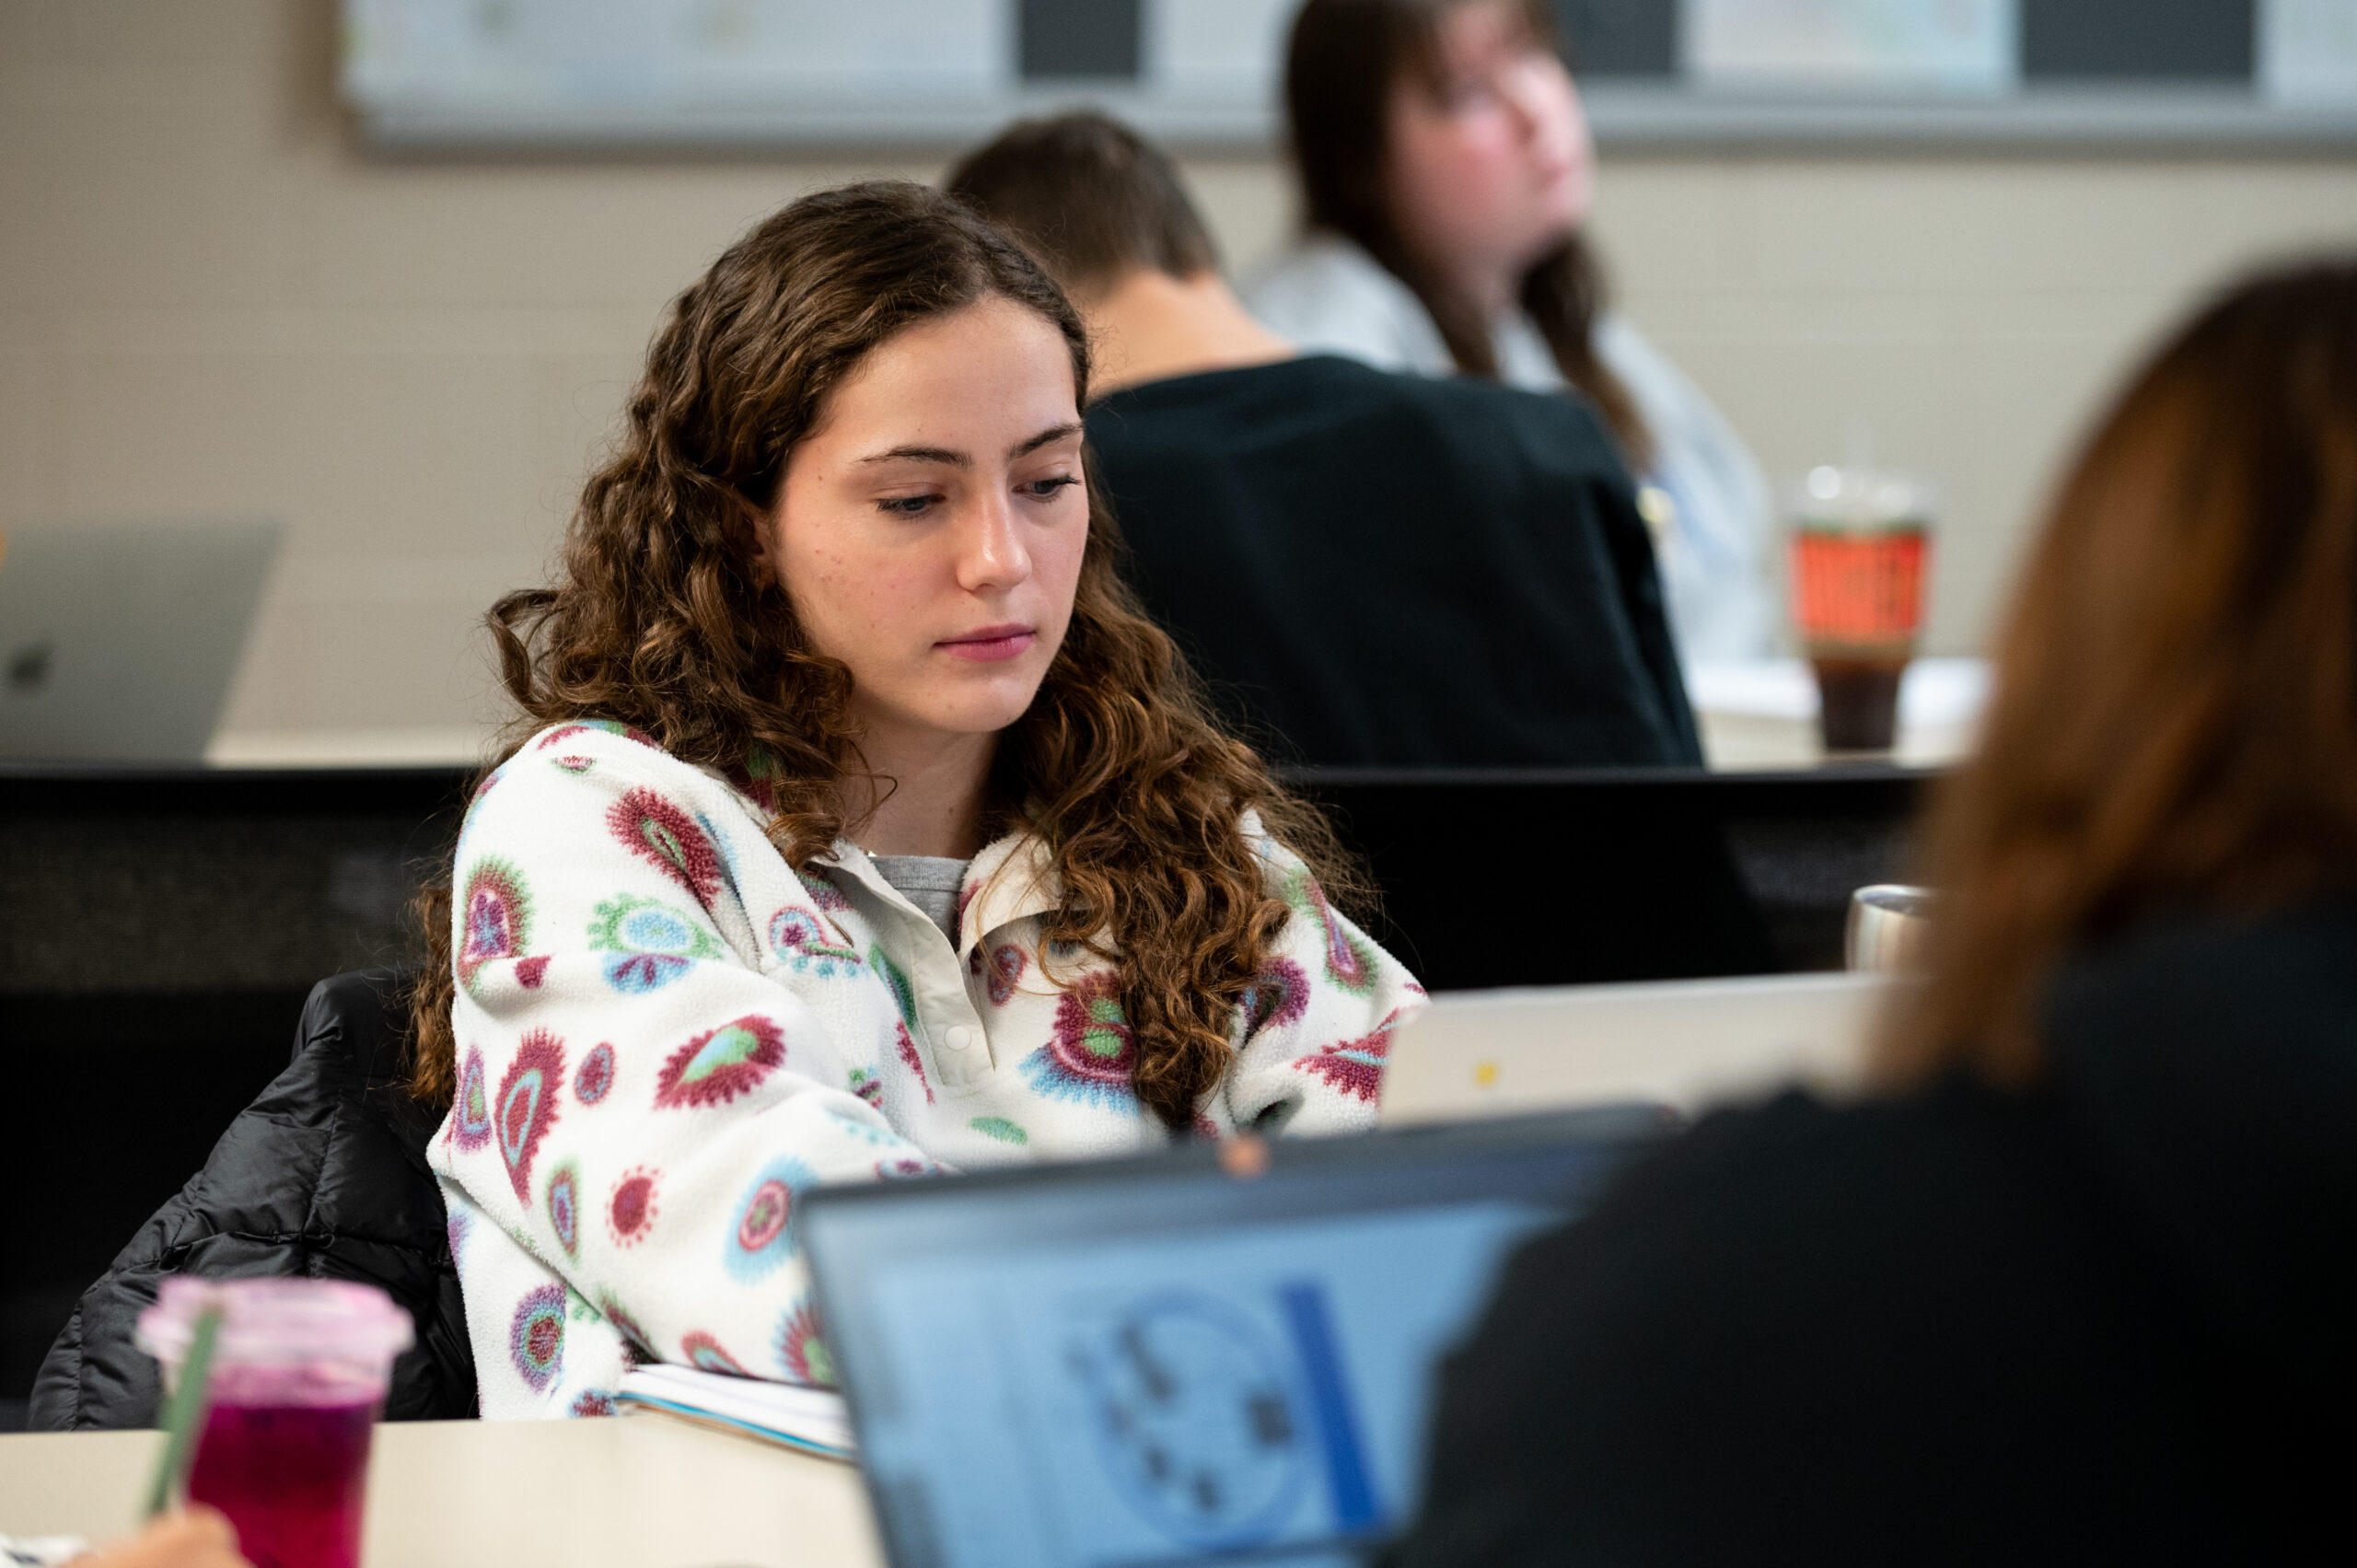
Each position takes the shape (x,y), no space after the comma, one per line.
(198,1537)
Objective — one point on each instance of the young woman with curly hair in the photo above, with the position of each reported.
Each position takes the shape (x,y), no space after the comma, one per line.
(864,827)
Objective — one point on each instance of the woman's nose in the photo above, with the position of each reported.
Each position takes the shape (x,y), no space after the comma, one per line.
(990,547)
(1520,95)
(1529,91)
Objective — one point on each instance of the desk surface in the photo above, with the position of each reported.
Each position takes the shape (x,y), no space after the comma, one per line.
(1755,715)
(633,1491)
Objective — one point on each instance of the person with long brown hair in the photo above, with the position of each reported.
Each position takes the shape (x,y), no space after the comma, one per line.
(1446,173)
(864,825)
(2078,1285)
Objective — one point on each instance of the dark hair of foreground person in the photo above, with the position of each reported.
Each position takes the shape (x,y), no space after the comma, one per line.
(2080,1286)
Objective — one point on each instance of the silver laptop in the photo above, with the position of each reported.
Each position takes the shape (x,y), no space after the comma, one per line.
(1691,1044)
(118,641)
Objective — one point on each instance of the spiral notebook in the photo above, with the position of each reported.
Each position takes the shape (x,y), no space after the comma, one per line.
(809,1419)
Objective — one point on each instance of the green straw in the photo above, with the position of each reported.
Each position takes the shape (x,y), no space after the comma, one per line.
(184,1414)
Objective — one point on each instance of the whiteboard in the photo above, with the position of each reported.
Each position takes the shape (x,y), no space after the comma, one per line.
(510,75)
(2307,51)
(869,72)
(1893,45)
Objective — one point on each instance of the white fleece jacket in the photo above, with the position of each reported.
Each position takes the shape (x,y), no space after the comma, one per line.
(666,1037)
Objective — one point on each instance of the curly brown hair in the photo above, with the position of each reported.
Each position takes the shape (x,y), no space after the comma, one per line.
(661,619)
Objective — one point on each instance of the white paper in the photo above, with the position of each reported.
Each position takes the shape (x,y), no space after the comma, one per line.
(811,1416)
(1970,46)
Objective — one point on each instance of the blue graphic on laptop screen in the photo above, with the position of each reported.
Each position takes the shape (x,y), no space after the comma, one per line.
(1246,1395)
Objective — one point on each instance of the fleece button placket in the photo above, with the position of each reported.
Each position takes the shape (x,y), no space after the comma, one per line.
(961,1054)
(952,1030)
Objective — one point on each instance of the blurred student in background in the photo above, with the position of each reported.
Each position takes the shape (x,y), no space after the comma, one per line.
(1371,568)
(2082,1288)
(866,828)
(1446,172)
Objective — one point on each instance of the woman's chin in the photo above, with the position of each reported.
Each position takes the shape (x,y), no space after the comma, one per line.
(1559,206)
(984,707)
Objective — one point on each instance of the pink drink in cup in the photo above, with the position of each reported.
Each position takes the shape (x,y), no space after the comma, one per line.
(299,1374)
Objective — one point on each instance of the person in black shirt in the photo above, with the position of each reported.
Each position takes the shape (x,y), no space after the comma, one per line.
(1369,568)
(2081,1284)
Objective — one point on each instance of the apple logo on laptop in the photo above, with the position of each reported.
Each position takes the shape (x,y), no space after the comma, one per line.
(29,668)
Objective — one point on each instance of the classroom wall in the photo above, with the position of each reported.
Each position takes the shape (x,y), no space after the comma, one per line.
(214,301)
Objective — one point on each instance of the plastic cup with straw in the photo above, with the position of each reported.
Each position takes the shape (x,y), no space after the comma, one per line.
(184,1416)
(274,1386)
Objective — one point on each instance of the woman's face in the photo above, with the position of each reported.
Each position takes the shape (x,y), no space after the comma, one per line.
(929,530)
(1495,168)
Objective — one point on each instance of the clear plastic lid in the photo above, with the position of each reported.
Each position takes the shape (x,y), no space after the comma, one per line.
(1830,497)
(279,1323)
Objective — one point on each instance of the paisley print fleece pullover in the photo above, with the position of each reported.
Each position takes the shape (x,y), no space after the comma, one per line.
(666,1037)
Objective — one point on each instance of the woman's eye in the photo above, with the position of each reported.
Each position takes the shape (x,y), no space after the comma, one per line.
(1044,488)
(907,505)
(1468,93)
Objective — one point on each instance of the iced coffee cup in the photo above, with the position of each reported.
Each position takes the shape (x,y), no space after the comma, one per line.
(299,1371)
(1861,546)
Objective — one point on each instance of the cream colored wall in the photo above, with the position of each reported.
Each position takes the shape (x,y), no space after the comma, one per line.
(1966,317)
(212,301)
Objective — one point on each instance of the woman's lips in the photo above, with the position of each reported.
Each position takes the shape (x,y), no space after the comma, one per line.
(992,645)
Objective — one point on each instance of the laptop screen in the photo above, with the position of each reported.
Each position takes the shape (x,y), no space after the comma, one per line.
(1156,1363)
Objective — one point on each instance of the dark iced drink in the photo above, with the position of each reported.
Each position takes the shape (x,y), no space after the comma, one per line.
(1861,544)
(1858,702)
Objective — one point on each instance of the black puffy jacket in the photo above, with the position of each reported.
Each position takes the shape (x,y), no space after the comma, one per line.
(324,1177)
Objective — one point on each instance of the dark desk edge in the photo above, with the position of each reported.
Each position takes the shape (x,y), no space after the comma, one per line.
(155,774)
(183,789)
(1704,778)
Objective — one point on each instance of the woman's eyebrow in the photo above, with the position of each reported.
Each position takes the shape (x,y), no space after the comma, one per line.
(959,459)
(1045,437)
(920,455)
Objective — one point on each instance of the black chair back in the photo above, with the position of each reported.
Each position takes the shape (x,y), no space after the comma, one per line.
(324,1177)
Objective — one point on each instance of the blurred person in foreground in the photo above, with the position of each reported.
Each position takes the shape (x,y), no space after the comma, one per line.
(1372,569)
(1447,177)
(2081,1286)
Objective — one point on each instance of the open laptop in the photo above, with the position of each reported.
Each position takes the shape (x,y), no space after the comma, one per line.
(1688,1044)
(1167,1361)
(118,640)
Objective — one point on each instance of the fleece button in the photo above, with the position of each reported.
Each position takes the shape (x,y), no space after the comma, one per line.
(958,1038)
